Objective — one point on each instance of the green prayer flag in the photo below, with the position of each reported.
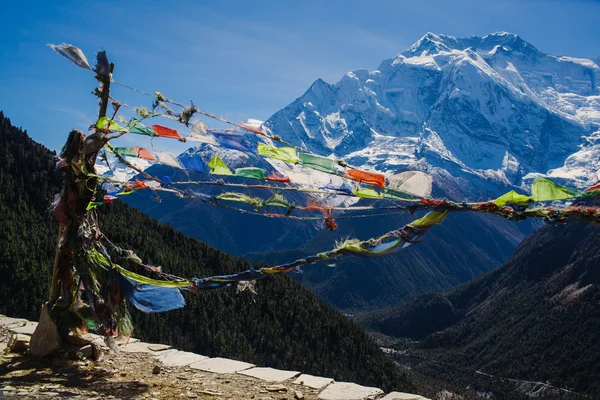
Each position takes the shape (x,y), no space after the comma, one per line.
(513,197)
(93,204)
(251,173)
(108,124)
(431,218)
(367,193)
(396,195)
(277,200)
(126,151)
(318,163)
(149,281)
(545,190)
(137,127)
(241,198)
(288,154)
(218,167)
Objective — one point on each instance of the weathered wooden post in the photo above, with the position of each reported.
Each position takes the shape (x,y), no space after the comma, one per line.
(77,164)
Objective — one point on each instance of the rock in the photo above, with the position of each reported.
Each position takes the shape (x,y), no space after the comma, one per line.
(48,394)
(348,391)
(18,343)
(87,351)
(314,382)
(179,358)
(276,388)
(403,396)
(220,365)
(211,392)
(158,347)
(26,329)
(298,395)
(191,395)
(270,374)
(156,370)
(45,339)
(7,389)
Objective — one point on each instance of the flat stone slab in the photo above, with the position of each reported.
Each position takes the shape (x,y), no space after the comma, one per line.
(348,391)
(315,382)
(27,329)
(8,322)
(403,396)
(136,347)
(179,358)
(270,374)
(159,347)
(220,365)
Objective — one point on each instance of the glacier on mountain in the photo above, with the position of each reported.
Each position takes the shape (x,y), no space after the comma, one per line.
(491,111)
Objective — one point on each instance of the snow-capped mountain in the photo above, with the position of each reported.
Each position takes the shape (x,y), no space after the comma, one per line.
(492,110)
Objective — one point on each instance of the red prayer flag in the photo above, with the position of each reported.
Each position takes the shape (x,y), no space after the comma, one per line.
(596,186)
(282,179)
(163,131)
(372,178)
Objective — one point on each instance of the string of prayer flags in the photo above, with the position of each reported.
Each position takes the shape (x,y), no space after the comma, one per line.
(218,167)
(71,53)
(371,178)
(287,154)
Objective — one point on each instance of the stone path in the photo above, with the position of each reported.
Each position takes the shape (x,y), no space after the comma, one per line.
(284,384)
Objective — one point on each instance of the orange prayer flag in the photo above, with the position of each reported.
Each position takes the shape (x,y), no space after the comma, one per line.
(140,185)
(372,178)
(163,131)
(143,153)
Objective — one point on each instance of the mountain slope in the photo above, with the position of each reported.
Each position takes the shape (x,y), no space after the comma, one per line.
(536,318)
(284,326)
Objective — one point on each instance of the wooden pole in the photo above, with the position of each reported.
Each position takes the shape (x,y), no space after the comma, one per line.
(76,192)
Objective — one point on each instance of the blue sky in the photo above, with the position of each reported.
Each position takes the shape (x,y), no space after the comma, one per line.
(241,59)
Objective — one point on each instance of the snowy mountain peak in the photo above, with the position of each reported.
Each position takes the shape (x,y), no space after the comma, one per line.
(491,108)
(432,44)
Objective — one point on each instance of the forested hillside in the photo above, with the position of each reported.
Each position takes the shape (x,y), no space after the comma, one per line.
(284,326)
(537,318)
